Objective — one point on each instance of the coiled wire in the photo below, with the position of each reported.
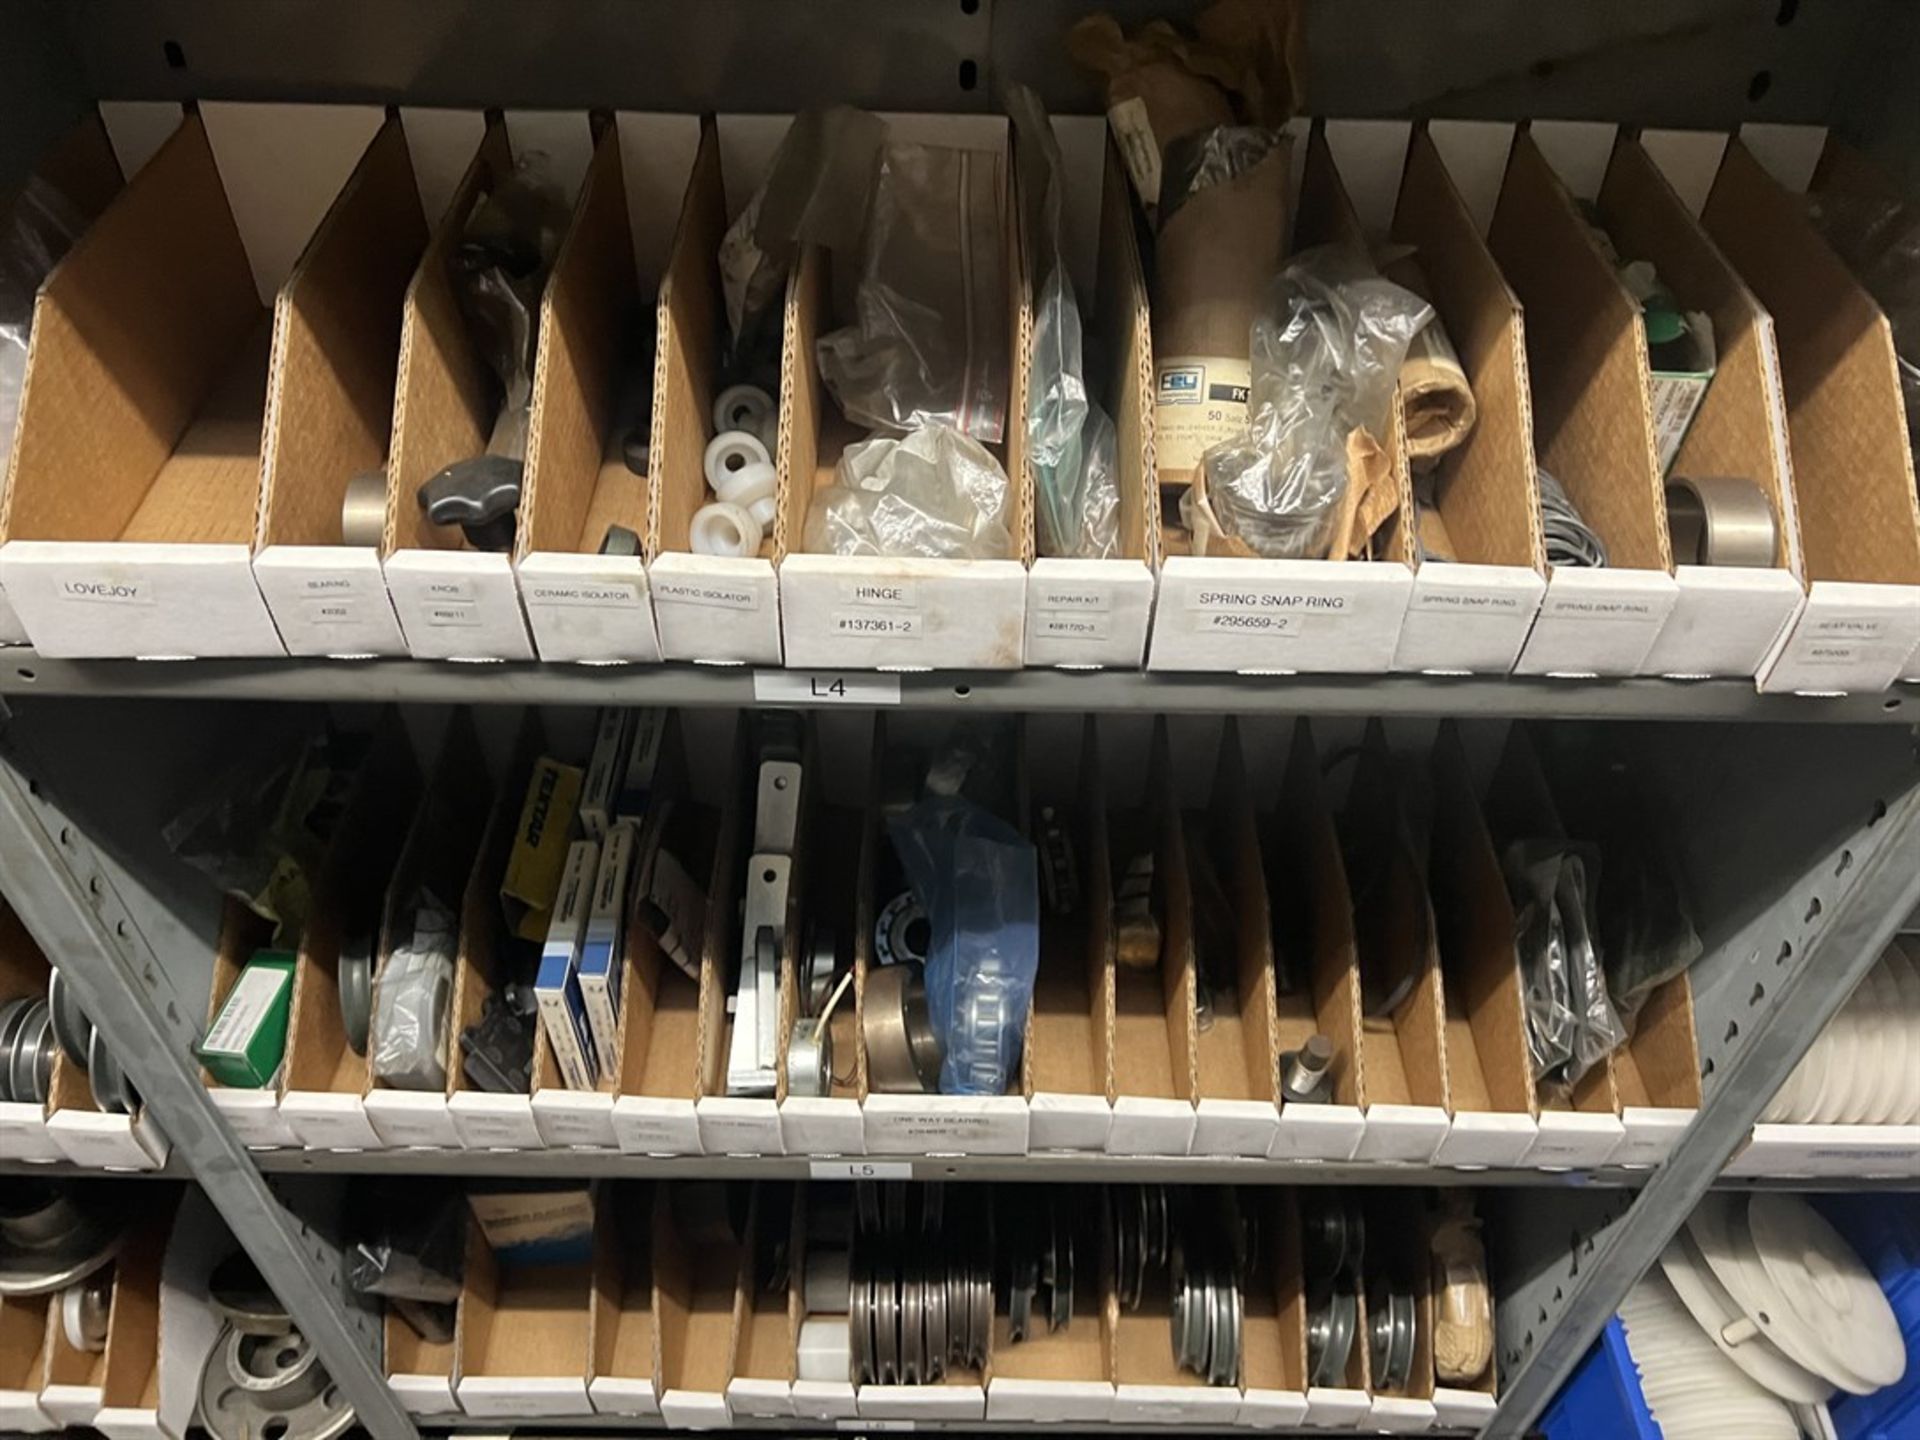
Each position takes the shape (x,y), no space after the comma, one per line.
(1570,540)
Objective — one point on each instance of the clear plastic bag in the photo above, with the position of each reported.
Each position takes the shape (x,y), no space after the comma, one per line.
(416,1255)
(816,192)
(1571,1022)
(934,494)
(978,880)
(1327,351)
(507,248)
(1071,442)
(928,343)
(41,228)
(411,998)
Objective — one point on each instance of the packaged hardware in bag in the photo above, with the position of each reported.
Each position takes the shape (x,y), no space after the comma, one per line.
(412,994)
(1571,1023)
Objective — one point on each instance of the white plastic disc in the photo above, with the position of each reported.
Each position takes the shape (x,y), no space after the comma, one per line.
(1891,1073)
(1718,1314)
(729,451)
(1906,976)
(747,407)
(1840,1309)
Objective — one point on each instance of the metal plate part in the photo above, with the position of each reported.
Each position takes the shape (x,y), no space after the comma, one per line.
(269,1385)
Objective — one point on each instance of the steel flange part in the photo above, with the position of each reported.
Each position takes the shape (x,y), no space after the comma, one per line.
(1390,1336)
(256,1385)
(1331,1321)
(51,1238)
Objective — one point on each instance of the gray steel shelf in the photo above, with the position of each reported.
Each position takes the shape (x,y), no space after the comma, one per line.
(24,673)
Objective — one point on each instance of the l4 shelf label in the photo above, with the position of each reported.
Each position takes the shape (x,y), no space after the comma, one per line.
(819,687)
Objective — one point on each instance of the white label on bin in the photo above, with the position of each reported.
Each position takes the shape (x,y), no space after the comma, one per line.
(1068,597)
(860,1170)
(1071,625)
(1573,607)
(804,687)
(329,610)
(880,624)
(1469,602)
(1840,640)
(709,593)
(109,592)
(586,594)
(442,590)
(442,614)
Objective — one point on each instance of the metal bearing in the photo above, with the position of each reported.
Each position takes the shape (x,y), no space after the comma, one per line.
(860,1319)
(901,932)
(913,1323)
(938,1336)
(1391,1322)
(809,1058)
(886,1025)
(353,976)
(363,510)
(1720,520)
(86,1308)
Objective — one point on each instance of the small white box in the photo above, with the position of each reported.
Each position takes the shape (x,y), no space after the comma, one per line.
(23,1132)
(945,1125)
(1148,1125)
(1650,1133)
(1575,1140)
(20,1413)
(1234,1127)
(109,1142)
(1068,1122)
(458,605)
(1403,1134)
(1468,619)
(329,1120)
(1076,1402)
(575,1119)
(739,1125)
(1271,1409)
(329,600)
(822,1125)
(1727,621)
(824,1400)
(601,953)
(1481,1139)
(158,601)
(655,1125)
(1462,1409)
(695,1410)
(1279,616)
(1401,1415)
(1088,615)
(12,632)
(1855,1151)
(528,1396)
(563,1015)
(605,770)
(1850,639)
(71,1405)
(635,793)
(1318,1132)
(412,1119)
(1598,622)
(595,609)
(717,610)
(759,1399)
(424,1394)
(125,1422)
(872,614)
(1330,1408)
(489,1121)
(922,1402)
(254,1116)
(623,1395)
(1174,1404)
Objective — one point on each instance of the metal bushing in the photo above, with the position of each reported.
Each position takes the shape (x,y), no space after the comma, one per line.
(1332,1317)
(1391,1323)
(888,1016)
(901,932)
(71,1027)
(363,510)
(1306,1074)
(52,1237)
(86,1310)
(113,1093)
(256,1385)
(1720,520)
(809,1058)
(353,976)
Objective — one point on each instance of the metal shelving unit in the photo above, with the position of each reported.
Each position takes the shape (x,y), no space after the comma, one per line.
(1802,839)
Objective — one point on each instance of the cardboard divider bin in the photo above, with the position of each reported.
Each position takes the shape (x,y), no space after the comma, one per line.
(624,1374)
(665,1031)
(81,172)
(712,608)
(1579,1126)
(1094,614)
(456,602)
(23,974)
(1853,476)
(819,1208)
(1489,1070)
(767,1314)
(1593,426)
(254,1114)
(436,861)
(1059,1375)
(922,1123)
(885,613)
(1472,613)
(756,1124)
(1067,1061)
(1261,616)
(96,1138)
(72,1386)
(490,956)
(1397,1251)
(1349,1404)
(1237,1051)
(1156,1074)
(424,1374)
(323,1097)
(1273,1327)
(961,1393)
(1403,1035)
(601,348)
(135,482)
(1316,970)
(1728,617)
(1466,1404)
(336,348)
(523,1335)
(23,1361)
(696,1292)
(129,1372)
(1150,1387)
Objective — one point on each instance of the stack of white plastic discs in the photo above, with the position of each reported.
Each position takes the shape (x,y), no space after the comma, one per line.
(1865,1067)
(1692,1390)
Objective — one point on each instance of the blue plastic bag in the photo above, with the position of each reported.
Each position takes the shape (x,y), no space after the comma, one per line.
(979,882)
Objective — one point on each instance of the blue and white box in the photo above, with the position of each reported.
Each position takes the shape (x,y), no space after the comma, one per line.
(605,771)
(600,967)
(563,1011)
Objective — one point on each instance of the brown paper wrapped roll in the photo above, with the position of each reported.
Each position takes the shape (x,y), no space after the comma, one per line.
(1433,383)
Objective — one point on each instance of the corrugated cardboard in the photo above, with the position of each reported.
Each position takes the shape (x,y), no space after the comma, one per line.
(895,613)
(523,1336)
(1852,469)
(1593,426)
(623,1374)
